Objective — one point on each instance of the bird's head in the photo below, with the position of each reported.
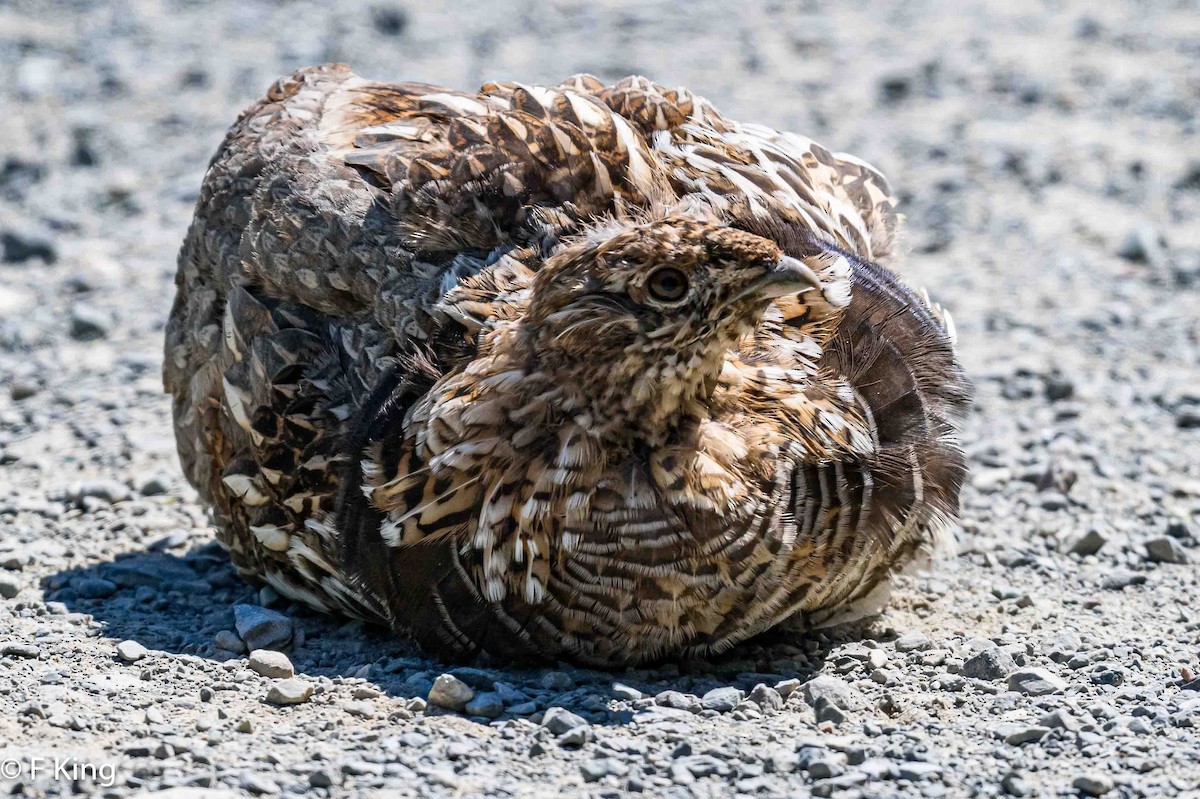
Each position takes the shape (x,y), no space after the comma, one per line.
(638,319)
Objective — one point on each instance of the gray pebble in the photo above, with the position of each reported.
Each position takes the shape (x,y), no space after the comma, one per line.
(622,691)
(1025,733)
(257,783)
(678,701)
(913,642)
(488,704)
(990,664)
(450,692)
(110,491)
(24,242)
(131,651)
(10,586)
(1166,550)
(1092,784)
(1120,579)
(20,650)
(721,700)
(787,687)
(918,771)
(292,691)
(269,663)
(89,323)
(1035,682)
(766,697)
(576,736)
(1143,244)
(1014,784)
(835,691)
(593,770)
(94,587)
(229,641)
(560,720)
(261,628)
(557,681)
(155,484)
(1086,542)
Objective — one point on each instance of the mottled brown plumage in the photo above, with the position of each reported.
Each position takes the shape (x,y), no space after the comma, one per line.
(580,371)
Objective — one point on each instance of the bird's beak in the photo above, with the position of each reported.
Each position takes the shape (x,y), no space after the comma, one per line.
(786,276)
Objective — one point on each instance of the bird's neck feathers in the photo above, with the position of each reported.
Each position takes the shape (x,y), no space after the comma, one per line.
(624,393)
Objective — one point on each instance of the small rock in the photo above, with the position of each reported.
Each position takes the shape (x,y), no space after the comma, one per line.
(27,242)
(721,700)
(110,491)
(678,700)
(272,664)
(826,710)
(450,692)
(389,20)
(290,692)
(131,651)
(94,587)
(362,710)
(1120,579)
(837,692)
(913,642)
(1014,785)
(154,485)
(766,697)
(1053,501)
(261,628)
(229,641)
(1092,784)
(622,691)
(1143,244)
(918,771)
(787,687)
(257,784)
(1026,734)
(20,650)
(1059,720)
(10,586)
(557,681)
(457,750)
(1166,550)
(1088,542)
(824,767)
(489,705)
(990,664)
(1035,682)
(1057,387)
(598,769)
(560,720)
(576,736)
(89,323)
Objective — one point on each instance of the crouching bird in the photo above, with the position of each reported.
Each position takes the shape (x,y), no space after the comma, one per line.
(581,371)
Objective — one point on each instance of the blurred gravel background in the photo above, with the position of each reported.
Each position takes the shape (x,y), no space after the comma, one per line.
(1048,158)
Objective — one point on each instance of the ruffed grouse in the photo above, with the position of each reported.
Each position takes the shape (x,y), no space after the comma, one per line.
(579,371)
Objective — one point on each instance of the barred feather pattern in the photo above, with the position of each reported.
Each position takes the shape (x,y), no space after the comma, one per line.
(424,373)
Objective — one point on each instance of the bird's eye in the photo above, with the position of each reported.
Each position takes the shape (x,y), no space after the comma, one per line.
(667,284)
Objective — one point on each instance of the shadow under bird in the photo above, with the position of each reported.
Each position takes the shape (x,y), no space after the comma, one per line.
(579,371)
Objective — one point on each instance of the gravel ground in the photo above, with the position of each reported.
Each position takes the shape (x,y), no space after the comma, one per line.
(1047,156)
